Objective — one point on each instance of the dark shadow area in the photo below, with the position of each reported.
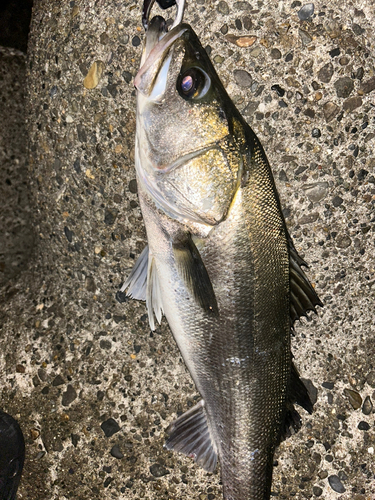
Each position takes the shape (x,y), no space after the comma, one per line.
(16,230)
(15,16)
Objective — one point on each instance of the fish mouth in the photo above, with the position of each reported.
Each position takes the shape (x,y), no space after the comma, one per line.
(158,42)
(164,4)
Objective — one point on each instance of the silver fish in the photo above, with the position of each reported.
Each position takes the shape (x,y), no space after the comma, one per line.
(219,264)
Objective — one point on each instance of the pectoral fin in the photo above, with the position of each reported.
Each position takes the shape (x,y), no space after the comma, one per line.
(303,297)
(194,273)
(189,434)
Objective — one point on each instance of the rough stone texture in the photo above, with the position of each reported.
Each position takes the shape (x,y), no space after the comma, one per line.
(62,315)
(17,235)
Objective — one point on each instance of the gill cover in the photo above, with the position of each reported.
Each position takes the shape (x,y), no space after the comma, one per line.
(187,158)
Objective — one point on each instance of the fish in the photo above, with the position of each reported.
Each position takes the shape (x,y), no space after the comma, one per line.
(220,264)
(12,456)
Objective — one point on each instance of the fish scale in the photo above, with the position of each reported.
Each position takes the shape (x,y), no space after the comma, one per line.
(218,262)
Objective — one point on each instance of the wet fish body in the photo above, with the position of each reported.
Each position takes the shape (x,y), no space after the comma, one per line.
(219,265)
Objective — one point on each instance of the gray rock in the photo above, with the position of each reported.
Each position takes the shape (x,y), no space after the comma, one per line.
(305,37)
(358,30)
(325,73)
(337,201)
(158,470)
(306,11)
(68,396)
(316,192)
(316,133)
(116,452)
(110,427)
(90,284)
(317,490)
(336,484)
(283,176)
(370,379)
(242,77)
(369,85)
(223,8)
(275,54)
(363,426)
(367,406)
(344,87)
(354,398)
(352,103)
(330,110)
(242,6)
(308,218)
(250,109)
(343,241)
(58,380)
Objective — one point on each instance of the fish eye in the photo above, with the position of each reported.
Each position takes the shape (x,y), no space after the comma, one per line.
(193,84)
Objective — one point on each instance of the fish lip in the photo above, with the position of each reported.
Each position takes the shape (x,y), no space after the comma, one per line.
(156,30)
(157,53)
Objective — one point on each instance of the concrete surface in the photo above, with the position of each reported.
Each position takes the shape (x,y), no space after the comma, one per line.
(73,356)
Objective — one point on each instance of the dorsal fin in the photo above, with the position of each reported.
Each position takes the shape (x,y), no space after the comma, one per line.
(303,297)
(189,434)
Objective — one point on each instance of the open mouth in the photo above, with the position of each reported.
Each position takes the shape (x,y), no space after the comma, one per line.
(158,41)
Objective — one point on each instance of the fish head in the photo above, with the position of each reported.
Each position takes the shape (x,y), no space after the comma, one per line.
(187,156)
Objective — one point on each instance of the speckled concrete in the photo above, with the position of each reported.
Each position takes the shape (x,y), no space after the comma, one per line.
(74,356)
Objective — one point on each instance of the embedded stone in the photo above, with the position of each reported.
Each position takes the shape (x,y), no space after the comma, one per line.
(354,398)
(242,77)
(94,75)
(344,87)
(241,41)
(325,73)
(330,110)
(352,103)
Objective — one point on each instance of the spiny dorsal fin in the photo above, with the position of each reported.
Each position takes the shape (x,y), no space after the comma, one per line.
(136,282)
(194,273)
(303,297)
(189,434)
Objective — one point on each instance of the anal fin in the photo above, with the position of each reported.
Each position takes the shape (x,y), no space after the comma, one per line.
(298,394)
(194,273)
(190,435)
